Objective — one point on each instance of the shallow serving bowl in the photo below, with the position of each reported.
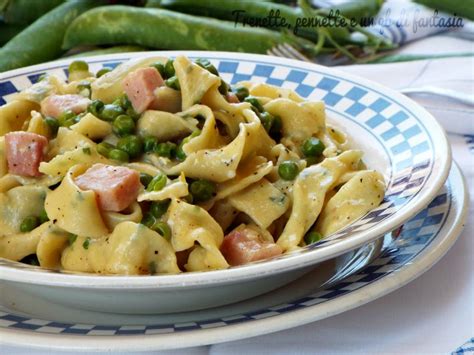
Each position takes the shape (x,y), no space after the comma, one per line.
(399,138)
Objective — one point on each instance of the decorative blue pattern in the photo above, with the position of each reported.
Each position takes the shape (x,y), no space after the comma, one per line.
(466,348)
(416,235)
(402,134)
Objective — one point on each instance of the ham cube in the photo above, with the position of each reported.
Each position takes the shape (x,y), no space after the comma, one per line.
(243,246)
(116,187)
(232,98)
(140,86)
(55,105)
(25,151)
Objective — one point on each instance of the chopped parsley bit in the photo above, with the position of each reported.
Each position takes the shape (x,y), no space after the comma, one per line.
(85,245)
(86,150)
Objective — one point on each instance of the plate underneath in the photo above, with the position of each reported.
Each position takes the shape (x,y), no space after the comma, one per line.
(374,270)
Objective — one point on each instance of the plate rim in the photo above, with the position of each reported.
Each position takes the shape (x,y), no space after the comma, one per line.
(442,154)
(379,288)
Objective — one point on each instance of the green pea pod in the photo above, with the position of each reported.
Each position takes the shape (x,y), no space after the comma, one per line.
(240,11)
(110,50)
(41,41)
(272,15)
(358,10)
(463,8)
(7,32)
(396,58)
(24,12)
(157,28)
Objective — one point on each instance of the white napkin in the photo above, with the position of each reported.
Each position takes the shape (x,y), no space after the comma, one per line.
(403,21)
(449,73)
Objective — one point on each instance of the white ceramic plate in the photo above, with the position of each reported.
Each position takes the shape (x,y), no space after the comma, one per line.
(399,138)
(425,238)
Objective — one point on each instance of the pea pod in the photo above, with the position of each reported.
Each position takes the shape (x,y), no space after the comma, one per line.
(111,50)
(223,9)
(7,32)
(41,41)
(396,58)
(461,8)
(357,10)
(24,12)
(165,29)
(237,10)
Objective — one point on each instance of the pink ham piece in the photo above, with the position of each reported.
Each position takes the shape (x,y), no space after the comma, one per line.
(25,151)
(55,105)
(116,187)
(243,246)
(140,86)
(232,98)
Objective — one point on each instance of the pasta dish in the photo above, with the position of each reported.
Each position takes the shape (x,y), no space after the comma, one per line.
(159,166)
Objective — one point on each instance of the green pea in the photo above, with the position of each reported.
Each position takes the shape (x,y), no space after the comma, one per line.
(163,229)
(312,237)
(167,149)
(267,120)
(169,68)
(102,72)
(110,112)
(145,178)
(254,102)
(173,83)
(132,145)
(123,125)
(149,143)
(52,123)
(206,64)
(131,112)
(161,69)
(148,220)
(180,154)
(241,92)
(104,148)
(120,155)
(275,130)
(159,208)
(224,87)
(202,190)
(288,170)
(124,101)
(84,87)
(157,183)
(29,223)
(43,217)
(66,119)
(96,107)
(312,147)
(78,65)
(31,260)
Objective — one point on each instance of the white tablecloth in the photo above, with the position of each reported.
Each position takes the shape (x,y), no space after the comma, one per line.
(433,314)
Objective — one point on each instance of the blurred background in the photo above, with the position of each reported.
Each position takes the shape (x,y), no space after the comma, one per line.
(330,32)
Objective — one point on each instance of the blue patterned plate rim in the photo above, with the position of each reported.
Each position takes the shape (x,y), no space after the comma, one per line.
(425,239)
(414,188)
